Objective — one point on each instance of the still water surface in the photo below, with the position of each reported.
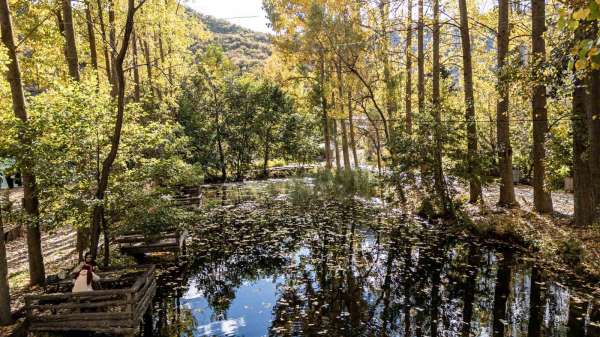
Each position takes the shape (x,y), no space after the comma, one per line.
(269,260)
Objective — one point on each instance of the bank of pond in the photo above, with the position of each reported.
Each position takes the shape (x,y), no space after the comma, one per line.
(276,258)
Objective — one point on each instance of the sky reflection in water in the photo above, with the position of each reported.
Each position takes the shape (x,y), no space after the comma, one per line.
(346,268)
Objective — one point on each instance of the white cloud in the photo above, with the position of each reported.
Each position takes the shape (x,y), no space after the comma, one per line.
(246,13)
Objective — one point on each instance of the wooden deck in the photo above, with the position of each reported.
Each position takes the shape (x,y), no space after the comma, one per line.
(137,244)
(114,311)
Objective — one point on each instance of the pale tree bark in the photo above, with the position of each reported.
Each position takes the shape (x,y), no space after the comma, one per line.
(5,313)
(136,72)
(326,135)
(421,61)
(25,162)
(438,171)
(473,167)
(408,95)
(338,162)
(390,83)
(91,35)
(351,126)
(507,188)
(70,44)
(148,65)
(116,138)
(340,105)
(105,42)
(542,199)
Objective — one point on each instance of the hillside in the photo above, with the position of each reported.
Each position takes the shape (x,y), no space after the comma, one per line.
(244,47)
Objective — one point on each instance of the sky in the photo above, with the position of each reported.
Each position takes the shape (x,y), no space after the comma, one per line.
(246,13)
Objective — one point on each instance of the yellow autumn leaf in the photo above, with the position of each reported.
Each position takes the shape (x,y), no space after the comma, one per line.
(593,52)
(595,66)
(581,14)
(580,64)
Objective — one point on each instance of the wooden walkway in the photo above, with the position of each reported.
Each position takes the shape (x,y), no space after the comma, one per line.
(137,244)
(117,310)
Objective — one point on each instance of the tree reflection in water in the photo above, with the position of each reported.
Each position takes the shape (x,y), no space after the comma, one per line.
(352,267)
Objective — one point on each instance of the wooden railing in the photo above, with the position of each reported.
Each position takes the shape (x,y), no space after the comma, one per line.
(114,311)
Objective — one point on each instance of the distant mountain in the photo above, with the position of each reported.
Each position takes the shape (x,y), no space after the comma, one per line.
(245,47)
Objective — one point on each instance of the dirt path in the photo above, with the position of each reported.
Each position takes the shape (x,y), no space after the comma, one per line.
(562,201)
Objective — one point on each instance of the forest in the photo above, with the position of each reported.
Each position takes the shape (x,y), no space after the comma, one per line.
(380,166)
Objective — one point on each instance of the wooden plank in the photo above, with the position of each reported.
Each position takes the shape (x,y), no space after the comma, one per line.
(87,316)
(91,294)
(111,304)
(145,302)
(115,331)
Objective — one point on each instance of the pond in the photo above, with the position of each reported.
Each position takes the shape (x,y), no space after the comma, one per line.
(273,258)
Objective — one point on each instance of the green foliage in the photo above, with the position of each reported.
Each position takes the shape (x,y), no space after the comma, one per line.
(237,122)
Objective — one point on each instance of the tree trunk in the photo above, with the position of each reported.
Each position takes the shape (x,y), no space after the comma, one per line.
(473,168)
(91,35)
(5,313)
(266,159)
(116,139)
(593,118)
(351,126)
(470,288)
(390,83)
(113,46)
(507,188)
(420,61)
(148,65)
(340,105)
(408,95)
(338,163)
(136,73)
(25,163)
(70,44)
(104,42)
(542,199)
(326,135)
(438,174)
(583,189)
(345,148)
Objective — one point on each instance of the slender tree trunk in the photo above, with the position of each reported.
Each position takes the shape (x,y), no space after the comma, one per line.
(351,126)
(542,200)
(266,158)
(25,163)
(420,61)
(507,188)
(340,105)
(113,46)
(105,42)
(390,83)
(473,168)
(5,313)
(91,35)
(136,72)
(438,174)
(116,139)
(338,163)
(408,95)
(345,148)
(326,135)
(148,65)
(70,44)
